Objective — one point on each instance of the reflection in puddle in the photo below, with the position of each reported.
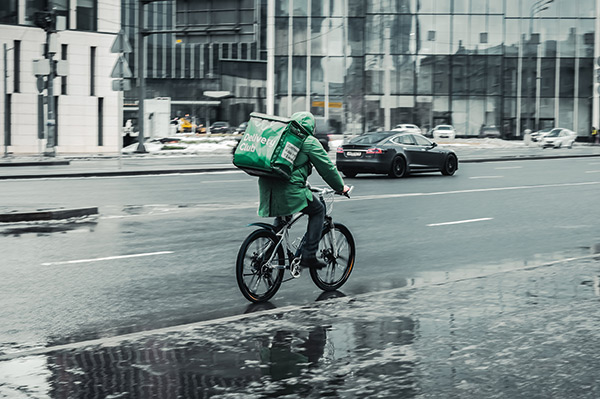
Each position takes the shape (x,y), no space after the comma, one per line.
(263,356)
(520,334)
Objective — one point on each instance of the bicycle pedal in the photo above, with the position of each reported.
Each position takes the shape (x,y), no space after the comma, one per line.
(295,269)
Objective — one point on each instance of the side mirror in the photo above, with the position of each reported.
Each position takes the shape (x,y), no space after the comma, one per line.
(433,144)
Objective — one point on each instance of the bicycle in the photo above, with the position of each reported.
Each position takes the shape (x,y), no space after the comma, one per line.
(267,252)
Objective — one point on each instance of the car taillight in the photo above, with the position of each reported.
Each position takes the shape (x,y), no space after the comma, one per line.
(340,150)
(374,151)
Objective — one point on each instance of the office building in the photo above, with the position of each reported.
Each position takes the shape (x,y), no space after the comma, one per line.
(87,111)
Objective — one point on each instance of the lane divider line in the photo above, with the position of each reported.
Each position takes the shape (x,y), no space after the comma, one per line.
(510,167)
(459,222)
(486,177)
(69,262)
(475,190)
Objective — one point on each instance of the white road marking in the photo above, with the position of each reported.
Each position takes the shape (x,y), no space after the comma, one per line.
(68,262)
(226,181)
(509,167)
(486,177)
(592,171)
(475,190)
(459,222)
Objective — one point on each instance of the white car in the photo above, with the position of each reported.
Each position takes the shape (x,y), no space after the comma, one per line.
(405,127)
(539,135)
(444,131)
(559,137)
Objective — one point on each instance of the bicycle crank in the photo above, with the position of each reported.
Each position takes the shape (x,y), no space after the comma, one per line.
(295,268)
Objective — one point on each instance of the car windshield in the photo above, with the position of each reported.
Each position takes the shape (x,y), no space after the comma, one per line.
(554,133)
(216,124)
(371,138)
(443,128)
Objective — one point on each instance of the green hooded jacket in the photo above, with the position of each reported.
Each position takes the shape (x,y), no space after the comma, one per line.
(279,197)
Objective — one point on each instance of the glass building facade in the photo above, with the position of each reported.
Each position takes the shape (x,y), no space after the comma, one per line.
(372,64)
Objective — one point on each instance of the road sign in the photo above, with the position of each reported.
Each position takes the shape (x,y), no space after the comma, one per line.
(41,84)
(121,85)
(121,69)
(121,44)
(41,67)
(62,68)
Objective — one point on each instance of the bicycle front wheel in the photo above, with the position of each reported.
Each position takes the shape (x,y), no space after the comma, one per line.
(337,250)
(257,278)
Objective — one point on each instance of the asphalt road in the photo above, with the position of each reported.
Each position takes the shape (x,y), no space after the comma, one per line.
(162,250)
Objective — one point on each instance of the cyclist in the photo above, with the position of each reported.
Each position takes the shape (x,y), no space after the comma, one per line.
(280,198)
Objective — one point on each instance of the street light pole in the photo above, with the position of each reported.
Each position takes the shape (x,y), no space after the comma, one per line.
(6,116)
(536,9)
(50,142)
(141,79)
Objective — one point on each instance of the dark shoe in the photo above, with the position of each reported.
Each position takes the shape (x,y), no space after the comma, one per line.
(313,263)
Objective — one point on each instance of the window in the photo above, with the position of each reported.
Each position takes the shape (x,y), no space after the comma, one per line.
(422,141)
(7,118)
(87,15)
(100,121)
(8,12)
(405,139)
(17,66)
(92,71)
(63,79)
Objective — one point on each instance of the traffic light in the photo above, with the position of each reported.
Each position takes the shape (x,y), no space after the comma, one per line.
(45,20)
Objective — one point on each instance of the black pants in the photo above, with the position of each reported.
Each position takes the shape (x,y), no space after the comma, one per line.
(316,217)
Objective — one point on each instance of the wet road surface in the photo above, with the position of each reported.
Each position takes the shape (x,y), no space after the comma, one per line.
(526,333)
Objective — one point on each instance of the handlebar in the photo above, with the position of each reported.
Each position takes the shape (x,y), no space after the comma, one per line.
(327,190)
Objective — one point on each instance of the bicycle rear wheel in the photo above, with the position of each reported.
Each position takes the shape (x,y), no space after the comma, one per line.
(258,279)
(340,260)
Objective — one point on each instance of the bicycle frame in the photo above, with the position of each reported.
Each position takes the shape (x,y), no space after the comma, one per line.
(284,240)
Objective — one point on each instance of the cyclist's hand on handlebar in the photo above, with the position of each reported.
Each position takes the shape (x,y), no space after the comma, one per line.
(347,190)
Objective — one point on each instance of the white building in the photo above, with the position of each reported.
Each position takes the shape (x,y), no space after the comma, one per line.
(88,112)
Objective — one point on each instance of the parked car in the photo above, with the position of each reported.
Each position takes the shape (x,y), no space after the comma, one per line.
(444,131)
(539,135)
(407,128)
(241,129)
(396,154)
(490,131)
(558,138)
(220,127)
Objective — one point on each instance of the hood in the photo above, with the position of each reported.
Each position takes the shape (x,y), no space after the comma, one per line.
(306,120)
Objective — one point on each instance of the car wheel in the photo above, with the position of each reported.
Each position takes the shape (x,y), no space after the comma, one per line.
(450,165)
(348,173)
(570,145)
(398,167)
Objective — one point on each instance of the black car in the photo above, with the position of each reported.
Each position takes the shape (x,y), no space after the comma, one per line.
(323,139)
(394,153)
(220,127)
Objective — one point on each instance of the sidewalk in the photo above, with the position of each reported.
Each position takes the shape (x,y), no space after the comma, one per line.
(530,332)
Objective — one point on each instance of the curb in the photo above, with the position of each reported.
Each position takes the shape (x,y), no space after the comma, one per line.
(55,214)
(119,173)
(35,163)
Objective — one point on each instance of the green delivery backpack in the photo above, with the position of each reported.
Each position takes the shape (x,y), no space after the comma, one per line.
(270,146)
